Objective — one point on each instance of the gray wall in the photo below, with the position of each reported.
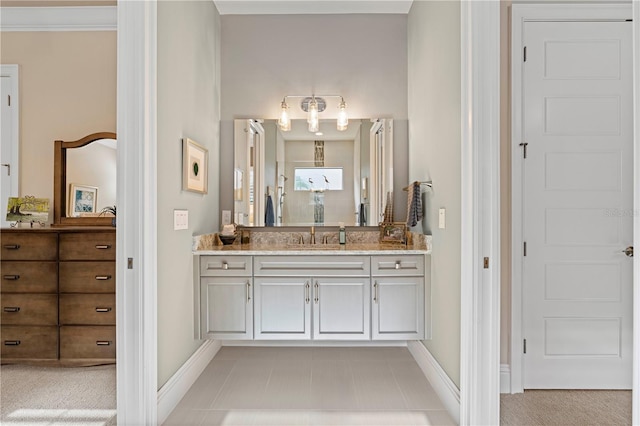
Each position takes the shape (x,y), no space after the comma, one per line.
(361,57)
(434,146)
(188,106)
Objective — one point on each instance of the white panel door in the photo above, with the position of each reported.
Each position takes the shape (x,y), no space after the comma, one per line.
(282,308)
(397,308)
(226,308)
(341,309)
(9,144)
(578,205)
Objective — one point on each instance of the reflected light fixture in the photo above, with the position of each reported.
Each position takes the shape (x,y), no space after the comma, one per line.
(313,105)
(284,121)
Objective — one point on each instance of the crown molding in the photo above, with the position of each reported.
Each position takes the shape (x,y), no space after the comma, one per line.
(305,7)
(74,18)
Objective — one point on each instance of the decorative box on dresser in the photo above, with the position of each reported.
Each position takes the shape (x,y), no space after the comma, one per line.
(58,295)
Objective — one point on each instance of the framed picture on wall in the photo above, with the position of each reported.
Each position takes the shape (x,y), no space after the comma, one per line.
(195,167)
(82,199)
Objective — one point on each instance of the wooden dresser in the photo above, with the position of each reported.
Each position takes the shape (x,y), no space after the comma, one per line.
(58,296)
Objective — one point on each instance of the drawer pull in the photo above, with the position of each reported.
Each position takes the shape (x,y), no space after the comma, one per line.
(103,277)
(103,246)
(103,310)
(225,265)
(12,309)
(103,342)
(11,277)
(12,246)
(398,266)
(11,342)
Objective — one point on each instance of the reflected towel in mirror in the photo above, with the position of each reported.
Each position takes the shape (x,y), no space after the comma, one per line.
(269,216)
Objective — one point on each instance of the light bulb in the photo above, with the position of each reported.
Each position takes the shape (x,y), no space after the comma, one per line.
(312,110)
(314,126)
(343,119)
(284,121)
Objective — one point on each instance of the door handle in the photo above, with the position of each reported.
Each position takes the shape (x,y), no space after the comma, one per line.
(628,251)
(307,298)
(317,292)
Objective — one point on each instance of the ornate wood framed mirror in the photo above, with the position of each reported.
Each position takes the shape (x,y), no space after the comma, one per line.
(88,212)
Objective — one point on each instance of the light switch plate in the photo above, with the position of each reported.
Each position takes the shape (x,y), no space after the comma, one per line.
(226,217)
(442,218)
(180,219)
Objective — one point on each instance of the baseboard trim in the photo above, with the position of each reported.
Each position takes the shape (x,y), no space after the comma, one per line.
(315,343)
(505,378)
(177,386)
(72,18)
(447,391)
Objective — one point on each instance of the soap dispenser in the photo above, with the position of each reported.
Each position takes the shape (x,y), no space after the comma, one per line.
(342,234)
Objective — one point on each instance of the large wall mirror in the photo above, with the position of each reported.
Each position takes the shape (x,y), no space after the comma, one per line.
(299,178)
(85,180)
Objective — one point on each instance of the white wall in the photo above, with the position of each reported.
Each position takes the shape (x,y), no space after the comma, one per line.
(188,106)
(434,147)
(265,57)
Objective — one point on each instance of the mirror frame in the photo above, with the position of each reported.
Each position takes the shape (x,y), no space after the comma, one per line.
(60,182)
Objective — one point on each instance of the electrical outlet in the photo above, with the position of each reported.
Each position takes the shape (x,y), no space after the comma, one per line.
(442,218)
(180,219)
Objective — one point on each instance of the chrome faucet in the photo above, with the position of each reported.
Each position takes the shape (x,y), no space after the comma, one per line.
(312,240)
(300,239)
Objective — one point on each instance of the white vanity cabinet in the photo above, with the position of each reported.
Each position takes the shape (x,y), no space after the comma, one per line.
(226,297)
(312,297)
(398,297)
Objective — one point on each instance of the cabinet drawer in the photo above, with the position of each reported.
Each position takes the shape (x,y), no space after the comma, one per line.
(400,265)
(87,277)
(88,246)
(29,309)
(93,309)
(29,342)
(29,246)
(29,277)
(225,266)
(312,266)
(88,342)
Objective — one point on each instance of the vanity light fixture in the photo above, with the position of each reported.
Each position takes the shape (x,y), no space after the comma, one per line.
(284,121)
(313,105)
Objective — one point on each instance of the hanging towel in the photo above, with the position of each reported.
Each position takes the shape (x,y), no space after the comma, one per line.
(388,209)
(362,218)
(269,217)
(414,204)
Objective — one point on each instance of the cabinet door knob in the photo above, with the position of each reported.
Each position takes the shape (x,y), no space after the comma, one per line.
(12,309)
(11,277)
(103,277)
(398,264)
(225,265)
(12,246)
(11,342)
(103,310)
(103,246)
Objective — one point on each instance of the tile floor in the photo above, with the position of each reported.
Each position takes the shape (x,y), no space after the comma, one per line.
(311,386)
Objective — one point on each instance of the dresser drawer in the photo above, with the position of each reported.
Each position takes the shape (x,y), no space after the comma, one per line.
(93,309)
(29,342)
(312,266)
(29,277)
(88,246)
(29,309)
(400,265)
(87,277)
(88,342)
(225,266)
(29,246)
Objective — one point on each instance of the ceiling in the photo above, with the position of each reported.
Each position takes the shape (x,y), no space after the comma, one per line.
(303,7)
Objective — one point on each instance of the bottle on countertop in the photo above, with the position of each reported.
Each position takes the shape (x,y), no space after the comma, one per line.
(342,234)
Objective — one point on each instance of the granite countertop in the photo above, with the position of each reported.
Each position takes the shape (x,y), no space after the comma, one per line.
(203,247)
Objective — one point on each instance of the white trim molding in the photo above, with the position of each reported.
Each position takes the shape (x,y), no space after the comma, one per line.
(635,398)
(179,384)
(444,387)
(480,206)
(136,234)
(505,378)
(521,13)
(73,18)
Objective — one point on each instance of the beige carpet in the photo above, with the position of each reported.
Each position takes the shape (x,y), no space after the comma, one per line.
(566,408)
(58,396)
